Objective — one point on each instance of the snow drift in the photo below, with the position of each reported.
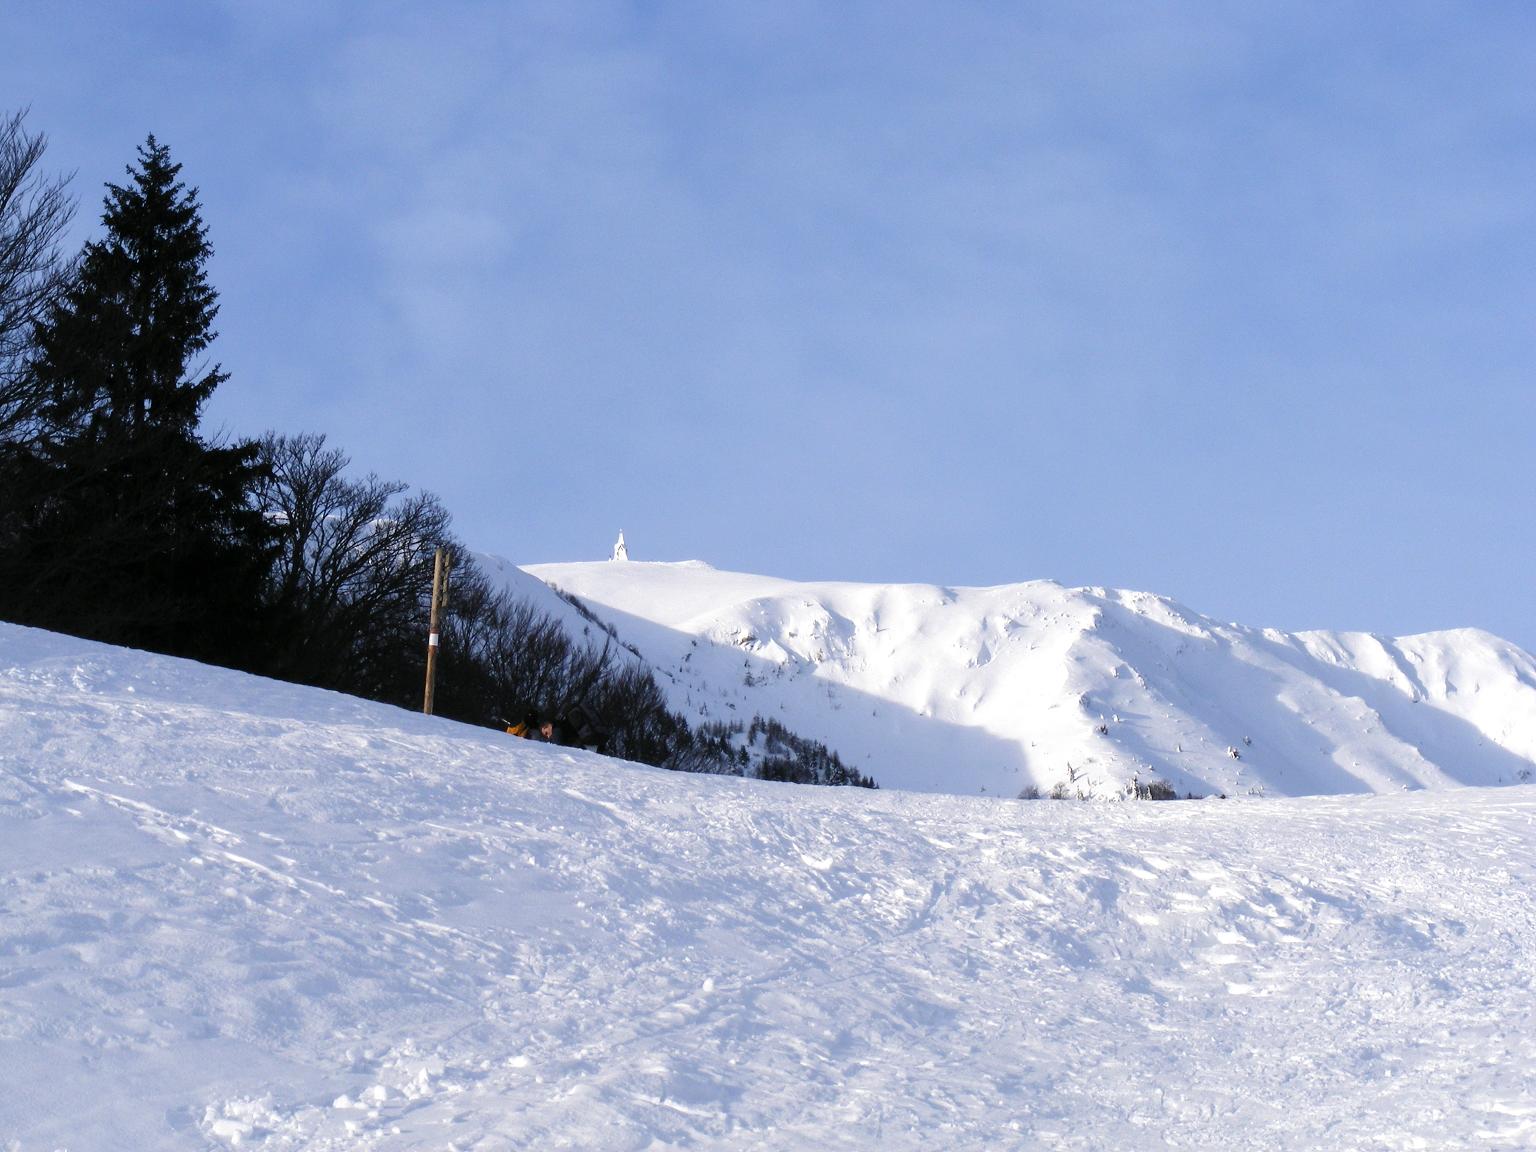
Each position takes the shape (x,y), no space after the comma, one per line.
(995,690)
(235,913)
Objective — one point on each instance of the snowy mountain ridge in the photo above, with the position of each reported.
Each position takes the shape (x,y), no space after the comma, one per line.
(1039,686)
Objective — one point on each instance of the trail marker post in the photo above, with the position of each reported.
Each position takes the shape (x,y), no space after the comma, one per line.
(439,594)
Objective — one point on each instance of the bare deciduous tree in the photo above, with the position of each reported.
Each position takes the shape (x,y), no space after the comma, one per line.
(35,212)
(353,571)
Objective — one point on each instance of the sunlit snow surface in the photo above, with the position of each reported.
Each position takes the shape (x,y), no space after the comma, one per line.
(240,914)
(992,690)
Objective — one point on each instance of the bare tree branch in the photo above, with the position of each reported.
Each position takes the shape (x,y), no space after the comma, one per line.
(35,212)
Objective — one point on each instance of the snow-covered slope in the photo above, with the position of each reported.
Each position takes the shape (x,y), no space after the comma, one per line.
(235,913)
(997,689)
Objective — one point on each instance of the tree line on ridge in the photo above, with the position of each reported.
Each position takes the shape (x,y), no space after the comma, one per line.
(122,521)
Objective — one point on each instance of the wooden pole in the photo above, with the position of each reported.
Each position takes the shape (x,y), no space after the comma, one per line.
(439,583)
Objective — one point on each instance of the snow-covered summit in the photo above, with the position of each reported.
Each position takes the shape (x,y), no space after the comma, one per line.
(1037,685)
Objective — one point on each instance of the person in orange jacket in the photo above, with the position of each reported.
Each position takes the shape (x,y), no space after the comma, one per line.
(527,727)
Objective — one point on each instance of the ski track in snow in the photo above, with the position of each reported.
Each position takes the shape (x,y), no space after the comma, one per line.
(241,914)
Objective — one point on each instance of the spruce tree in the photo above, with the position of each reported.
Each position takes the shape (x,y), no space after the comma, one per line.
(137,531)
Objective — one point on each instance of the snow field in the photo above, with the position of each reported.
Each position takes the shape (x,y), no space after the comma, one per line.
(240,914)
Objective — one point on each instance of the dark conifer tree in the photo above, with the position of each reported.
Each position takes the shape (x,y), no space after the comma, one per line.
(137,531)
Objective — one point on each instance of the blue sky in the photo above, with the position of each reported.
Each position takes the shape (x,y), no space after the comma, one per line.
(1229,302)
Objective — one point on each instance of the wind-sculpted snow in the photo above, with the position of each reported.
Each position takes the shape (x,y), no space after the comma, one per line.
(240,914)
(1088,690)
